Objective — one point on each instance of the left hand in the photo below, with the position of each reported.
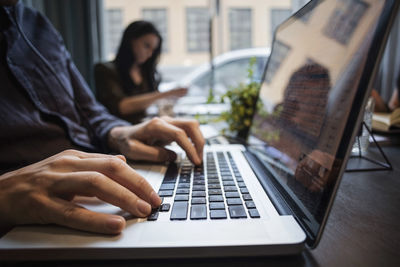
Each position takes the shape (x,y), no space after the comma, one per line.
(146,141)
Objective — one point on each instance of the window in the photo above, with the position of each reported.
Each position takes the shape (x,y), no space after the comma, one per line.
(184,27)
(114,30)
(197,29)
(344,20)
(240,28)
(158,16)
(277,17)
(280,51)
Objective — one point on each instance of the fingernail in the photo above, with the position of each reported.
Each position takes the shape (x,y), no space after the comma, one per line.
(143,207)
(155,199)
(114,224)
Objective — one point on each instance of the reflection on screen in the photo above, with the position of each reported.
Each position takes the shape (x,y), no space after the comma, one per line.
(317,59)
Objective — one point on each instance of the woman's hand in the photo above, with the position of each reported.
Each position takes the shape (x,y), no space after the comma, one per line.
(41,193)
(177,92)
(146,141)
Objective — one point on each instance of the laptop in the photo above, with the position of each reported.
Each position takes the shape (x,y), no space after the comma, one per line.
(273,195)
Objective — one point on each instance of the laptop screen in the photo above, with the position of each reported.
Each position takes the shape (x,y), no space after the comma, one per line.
(310,97)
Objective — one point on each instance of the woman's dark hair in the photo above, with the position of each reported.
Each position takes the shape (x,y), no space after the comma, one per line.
(125,58)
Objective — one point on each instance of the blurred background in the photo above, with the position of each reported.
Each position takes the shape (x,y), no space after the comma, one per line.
(193,31)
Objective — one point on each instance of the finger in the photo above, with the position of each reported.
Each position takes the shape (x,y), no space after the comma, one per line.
(84,155)
(65,161)
(171,132)
(122,173)
(65,213)
(89,183)
(193,131)
(141,151)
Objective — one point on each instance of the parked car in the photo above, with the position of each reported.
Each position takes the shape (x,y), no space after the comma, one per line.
(230,69)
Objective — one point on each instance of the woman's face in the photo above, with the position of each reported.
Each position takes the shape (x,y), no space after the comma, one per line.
(144,46)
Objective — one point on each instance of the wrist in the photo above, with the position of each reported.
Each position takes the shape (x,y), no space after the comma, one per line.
(114,138)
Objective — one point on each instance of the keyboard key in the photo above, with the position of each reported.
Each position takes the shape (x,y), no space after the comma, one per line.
(213,181)
(234,201)
(165,207)
(198,200)
(215,192)
(217,206)
(183,185)
(232,195)
(230,188)
(199,188)
(247,197)
(181,197)
(171,174)
(225,183)
(184,180)
(216,198)
(218,214)
(182,191)
(167,187)
(241,184)
(244,190)
(198,212)
(254,213)
(153,216)
(250,204)
(179,210)
(214,186)
(199,194)
(237,212)
(166,193)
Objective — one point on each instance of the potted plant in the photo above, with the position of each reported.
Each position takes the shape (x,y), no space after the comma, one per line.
(242,100)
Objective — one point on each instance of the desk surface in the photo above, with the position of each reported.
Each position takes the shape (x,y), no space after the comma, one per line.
(363,228)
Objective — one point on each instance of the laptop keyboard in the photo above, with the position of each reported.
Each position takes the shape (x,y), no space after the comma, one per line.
(215,190)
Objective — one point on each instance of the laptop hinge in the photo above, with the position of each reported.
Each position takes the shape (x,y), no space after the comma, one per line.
(278,199)
(267,184)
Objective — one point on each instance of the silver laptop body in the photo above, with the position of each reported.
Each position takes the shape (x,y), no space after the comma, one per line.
(271,196)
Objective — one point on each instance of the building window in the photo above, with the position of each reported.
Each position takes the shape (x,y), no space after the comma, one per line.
(158,16)
(344,20)
(114,30)
(278,54)
(197,29)
(278,15)
(240,28)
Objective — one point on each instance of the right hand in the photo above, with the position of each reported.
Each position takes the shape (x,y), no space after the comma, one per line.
(147,140)
(41,193)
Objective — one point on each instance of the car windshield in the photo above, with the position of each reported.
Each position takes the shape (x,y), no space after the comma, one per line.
(227,75)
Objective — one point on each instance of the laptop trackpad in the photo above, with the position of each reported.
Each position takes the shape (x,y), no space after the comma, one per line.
(201,233)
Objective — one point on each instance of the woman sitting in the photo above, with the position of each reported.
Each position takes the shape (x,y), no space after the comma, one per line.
(128,85)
